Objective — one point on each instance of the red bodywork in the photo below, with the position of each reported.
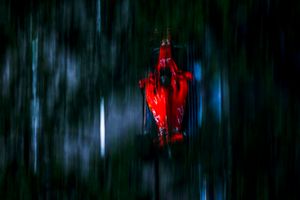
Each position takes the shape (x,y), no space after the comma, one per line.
(167,102)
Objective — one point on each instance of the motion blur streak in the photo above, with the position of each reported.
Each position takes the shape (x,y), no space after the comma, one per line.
(71,111)
(35,102)
(102,127)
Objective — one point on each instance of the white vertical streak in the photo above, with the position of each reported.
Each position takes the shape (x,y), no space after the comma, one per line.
(98,16)
(102,128)
(220,98)
(35,101)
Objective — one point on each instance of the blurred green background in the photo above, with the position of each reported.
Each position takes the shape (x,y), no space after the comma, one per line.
(58,59)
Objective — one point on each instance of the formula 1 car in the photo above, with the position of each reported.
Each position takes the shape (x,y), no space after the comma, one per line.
(165,94)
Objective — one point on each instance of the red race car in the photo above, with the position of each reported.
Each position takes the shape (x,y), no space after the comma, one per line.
(165,91)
